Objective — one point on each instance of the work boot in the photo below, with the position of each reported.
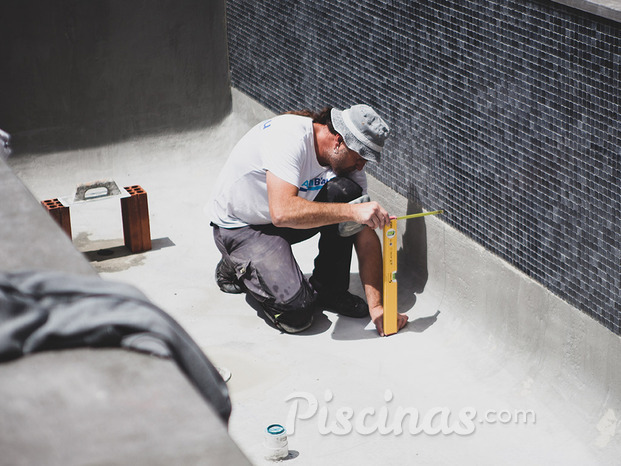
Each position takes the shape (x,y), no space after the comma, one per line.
(226,278)
(288,322)
(345,304)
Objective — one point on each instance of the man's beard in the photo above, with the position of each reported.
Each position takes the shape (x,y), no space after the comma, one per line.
(339,162)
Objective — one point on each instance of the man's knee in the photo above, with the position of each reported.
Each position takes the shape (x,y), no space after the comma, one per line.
(301,302)
(294,315)
(339,189)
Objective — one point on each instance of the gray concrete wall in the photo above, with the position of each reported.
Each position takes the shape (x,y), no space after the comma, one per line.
(90,73)
(107,406)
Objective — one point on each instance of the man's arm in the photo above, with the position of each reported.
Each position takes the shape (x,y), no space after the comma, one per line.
(289,210)
(369,251)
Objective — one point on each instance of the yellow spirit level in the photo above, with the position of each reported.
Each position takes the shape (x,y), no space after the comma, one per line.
(390,271)
(390,278)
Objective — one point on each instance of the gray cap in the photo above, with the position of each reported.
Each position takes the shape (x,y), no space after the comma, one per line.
(362,129)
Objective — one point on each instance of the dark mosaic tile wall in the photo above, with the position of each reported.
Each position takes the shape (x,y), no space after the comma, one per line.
(504,113)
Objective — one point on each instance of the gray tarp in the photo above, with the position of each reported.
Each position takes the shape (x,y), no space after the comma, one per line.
(49,310)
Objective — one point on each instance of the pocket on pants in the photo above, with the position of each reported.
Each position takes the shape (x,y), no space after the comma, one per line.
(253,281)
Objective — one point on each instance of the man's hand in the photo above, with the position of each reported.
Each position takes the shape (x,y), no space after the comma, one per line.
(368,249)
(370,214)
(377,316)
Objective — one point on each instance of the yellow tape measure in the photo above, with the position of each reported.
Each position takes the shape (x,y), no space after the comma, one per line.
(422,214)
(390,271)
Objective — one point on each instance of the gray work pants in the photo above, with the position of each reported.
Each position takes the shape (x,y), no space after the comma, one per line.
(263,261)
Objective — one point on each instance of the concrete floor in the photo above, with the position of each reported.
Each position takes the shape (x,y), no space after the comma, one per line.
(442,366)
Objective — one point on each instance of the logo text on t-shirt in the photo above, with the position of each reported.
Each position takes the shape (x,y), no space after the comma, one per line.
(313,185)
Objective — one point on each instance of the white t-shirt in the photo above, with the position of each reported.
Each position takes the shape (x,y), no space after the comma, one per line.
(285,146)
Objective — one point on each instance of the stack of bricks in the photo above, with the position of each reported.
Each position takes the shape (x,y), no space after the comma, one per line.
(134,211)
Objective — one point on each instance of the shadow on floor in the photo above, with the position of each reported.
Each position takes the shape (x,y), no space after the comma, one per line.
(321,323)
(348,328)
(115,252)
